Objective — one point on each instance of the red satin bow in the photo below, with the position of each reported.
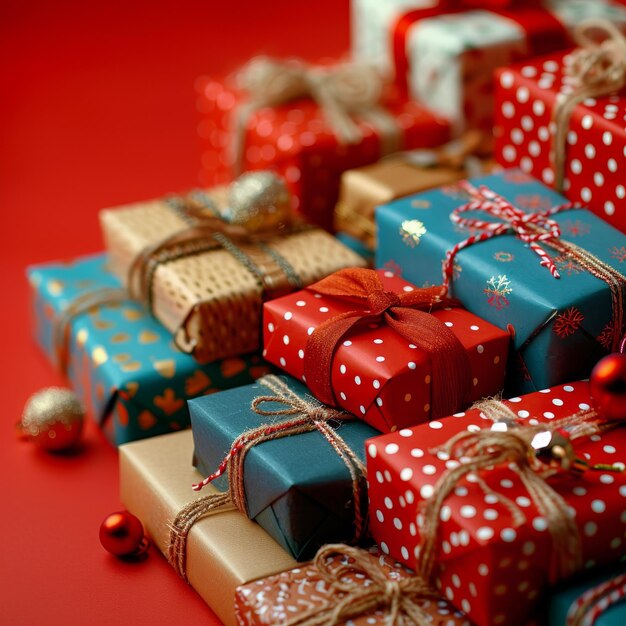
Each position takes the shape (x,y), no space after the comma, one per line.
(408,314)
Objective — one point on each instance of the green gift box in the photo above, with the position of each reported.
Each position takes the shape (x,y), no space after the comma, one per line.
(298,487)
(560,327)
(120,361)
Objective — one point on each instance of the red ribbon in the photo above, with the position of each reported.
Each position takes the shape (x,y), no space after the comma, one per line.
(544,32)
(408,314)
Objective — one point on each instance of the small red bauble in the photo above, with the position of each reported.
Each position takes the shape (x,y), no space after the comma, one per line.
(122,534)
(607,385)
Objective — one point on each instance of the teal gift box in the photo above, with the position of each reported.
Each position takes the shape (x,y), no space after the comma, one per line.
(560,327)
(121,362)
(297,488)
(564,596)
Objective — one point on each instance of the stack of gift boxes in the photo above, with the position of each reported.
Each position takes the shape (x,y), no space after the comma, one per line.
(433,411)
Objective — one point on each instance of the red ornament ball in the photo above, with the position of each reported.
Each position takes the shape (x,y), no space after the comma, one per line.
(122,534)
(607,385)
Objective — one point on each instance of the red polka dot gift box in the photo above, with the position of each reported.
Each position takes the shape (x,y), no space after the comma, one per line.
(582,154)
(496,504)
(308,144)
(311,591)
(382,349)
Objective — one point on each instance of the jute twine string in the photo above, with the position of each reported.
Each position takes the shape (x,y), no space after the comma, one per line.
(62,324)
(488,448)
(538,230)
(341,91)
(596,69)
(370,591)
(302,416)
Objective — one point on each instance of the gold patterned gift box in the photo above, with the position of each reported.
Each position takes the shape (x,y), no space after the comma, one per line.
(207,284)
(120,361)
(364,188)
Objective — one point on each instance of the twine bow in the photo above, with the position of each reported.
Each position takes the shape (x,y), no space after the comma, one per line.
(370,590)
(341,91)
(511,446)
(533,229)
(596,69)
(408,314)
(302,415)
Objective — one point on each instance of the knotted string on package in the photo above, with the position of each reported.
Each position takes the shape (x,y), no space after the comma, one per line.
(408,314)
(597,68)
(539,231)
(595,601)
(508,443)
(61,328)
(256,211)
(301,415)
(359,586)
(342,92)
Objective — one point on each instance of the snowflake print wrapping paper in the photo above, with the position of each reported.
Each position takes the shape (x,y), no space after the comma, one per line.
(122,362)
(492,569)
(560,327)
(376,374)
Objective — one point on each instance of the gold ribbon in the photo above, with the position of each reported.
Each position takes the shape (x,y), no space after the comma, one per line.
(302,416)
(510,444)
(596,69)
(341,91)
(371,590)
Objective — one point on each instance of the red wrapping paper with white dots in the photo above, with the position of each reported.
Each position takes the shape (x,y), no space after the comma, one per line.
(296,141)
(376,374)
(493,571)
(526,95)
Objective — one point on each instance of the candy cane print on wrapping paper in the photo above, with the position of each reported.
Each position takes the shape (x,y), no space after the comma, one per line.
(536,229)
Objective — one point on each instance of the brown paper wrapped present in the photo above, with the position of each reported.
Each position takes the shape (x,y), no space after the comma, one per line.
(205,278)
(365,188)
(223,551)
(362,593)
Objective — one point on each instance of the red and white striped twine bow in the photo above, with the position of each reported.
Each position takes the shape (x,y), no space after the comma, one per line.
(531,228)
(591,604)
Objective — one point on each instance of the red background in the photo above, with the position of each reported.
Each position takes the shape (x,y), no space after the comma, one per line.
(97,108)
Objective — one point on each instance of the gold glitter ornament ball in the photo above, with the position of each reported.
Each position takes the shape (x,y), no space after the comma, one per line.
(53,418)
(259,201)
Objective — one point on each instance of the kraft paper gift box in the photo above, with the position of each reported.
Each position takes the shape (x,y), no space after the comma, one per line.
(377,373)
(364,188)
(495,556)
(223,551)
(121,362)
(594,136)
(209,294)
(275,599)
(609,598)
(444,53)
(560,327)
(297,140)
(298,488)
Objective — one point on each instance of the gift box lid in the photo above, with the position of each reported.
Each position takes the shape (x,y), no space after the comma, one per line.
(500,279)
(304,463)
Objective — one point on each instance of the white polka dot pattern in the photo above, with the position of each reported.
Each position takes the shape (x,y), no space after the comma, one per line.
(375,373)
(296,141)
(596,141)
(494,568)
(274,599)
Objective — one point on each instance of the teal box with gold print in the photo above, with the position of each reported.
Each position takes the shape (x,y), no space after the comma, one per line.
(121,362)
(560,327)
